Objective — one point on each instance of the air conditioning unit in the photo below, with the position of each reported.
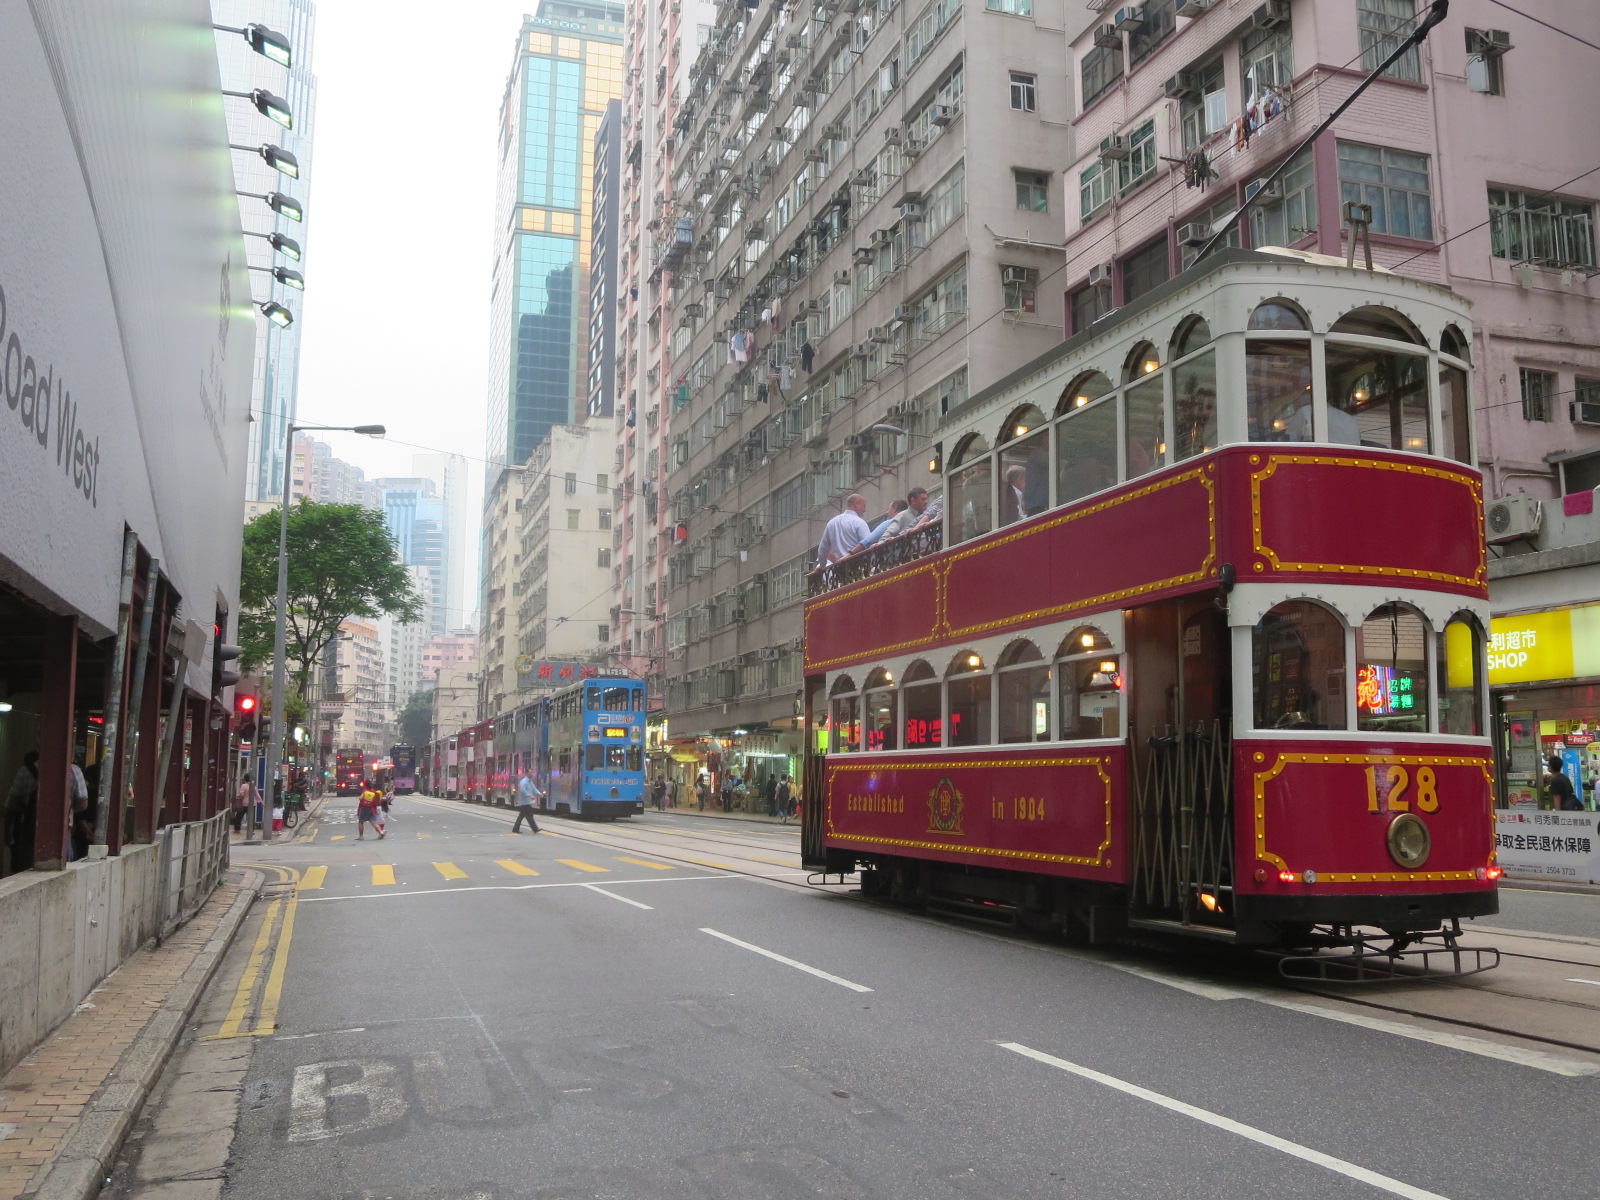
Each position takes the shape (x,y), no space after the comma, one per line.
(879,334)
(1129,19)
(816,155)
(841,276)
(881,237)
(1193,8)
(864,177)
(894,135)
(755,231)
(783,134)
(1195,233)
(1512,518)
(817,433)
(942,114)
(911,147)
(1185,85)
(862,255)
(1100,275)
(1488,42)
(902,314)
(911,210)
(813,306)
(1270,14)
(794,41)
(833,130)
(861,350)
(1106,36)
(1260,187)
(1585,412)
(768,653)
(1016,274)
(1114,148)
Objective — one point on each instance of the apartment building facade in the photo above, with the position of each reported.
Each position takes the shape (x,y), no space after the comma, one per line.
(664,38)
(864,206)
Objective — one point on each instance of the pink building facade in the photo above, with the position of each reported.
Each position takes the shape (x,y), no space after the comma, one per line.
(1475,154)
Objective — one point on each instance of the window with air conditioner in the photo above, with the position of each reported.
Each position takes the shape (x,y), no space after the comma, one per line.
(1484,48)
(1095,188)
(1293,215)
(1141,161)
(1101,67)
(1033,190)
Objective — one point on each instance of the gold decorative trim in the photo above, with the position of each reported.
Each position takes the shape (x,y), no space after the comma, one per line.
(1262,778)
(1098,762)
(1257,478)
(817,605)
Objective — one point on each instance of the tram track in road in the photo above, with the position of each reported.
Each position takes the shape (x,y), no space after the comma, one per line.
(1439,1004)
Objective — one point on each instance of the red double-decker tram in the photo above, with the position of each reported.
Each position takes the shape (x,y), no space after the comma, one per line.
(1197,644)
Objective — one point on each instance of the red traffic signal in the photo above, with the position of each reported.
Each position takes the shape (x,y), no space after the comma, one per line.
(246,704)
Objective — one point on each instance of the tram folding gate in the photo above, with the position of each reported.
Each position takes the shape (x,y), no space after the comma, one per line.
(1183,827)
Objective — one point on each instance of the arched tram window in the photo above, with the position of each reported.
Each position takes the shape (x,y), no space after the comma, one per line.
(1024,443)
(1022,681)
(1299,668)
(878,710)
(1277,354)
(845,711)
(1377,395)
(1459,657)
(968,684)
(1392,692)
(924,707)
(1086,438)
(968,512)
(1089,686)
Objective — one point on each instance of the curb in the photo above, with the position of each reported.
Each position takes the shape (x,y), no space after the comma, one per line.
(80,1170)
(1549,885)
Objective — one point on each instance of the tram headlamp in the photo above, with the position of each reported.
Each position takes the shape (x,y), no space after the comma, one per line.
(1409,841)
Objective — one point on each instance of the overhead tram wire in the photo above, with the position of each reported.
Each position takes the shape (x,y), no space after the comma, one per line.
(1546,24)
(1110,230)
(1550,195)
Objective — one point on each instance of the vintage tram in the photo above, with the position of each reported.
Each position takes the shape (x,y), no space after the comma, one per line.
(1197,644)
(583,745)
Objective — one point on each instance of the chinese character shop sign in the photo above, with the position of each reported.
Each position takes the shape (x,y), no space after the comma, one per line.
(1560,644)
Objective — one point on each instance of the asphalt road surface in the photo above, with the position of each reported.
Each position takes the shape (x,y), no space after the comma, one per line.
(661,1010)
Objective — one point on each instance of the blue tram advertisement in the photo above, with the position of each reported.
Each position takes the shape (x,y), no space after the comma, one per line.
(590,747)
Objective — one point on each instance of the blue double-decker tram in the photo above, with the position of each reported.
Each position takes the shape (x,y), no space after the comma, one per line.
(591,760)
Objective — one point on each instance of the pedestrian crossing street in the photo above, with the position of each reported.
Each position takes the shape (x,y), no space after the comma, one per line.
(314,879)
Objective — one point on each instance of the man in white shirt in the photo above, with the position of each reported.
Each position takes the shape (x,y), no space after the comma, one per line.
(918,514)
(845,533)
(528,795)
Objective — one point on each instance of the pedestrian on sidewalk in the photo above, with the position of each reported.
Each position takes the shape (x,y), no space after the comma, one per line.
(1559,788)
(769,795)
(702,790)
(672,793)
(19,817)
(658,794)
(528,795)
(370,811)
(782,799)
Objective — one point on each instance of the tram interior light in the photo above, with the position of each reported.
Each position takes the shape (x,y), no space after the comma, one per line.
(5,706)
(1079,401)
(1109,667)
(1087,641)
(1020,430)
(1149,365)
(974,661)
(1211,902)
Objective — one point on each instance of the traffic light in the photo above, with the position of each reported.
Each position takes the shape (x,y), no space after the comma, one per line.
(244,710)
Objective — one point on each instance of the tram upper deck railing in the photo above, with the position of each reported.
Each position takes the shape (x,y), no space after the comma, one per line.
(874,560)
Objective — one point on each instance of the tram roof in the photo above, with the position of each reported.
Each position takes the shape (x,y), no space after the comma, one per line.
(1182,282)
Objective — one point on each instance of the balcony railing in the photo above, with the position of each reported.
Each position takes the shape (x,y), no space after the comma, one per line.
(875,560)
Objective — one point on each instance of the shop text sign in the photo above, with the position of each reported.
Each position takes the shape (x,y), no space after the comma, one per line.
(1561,644)
(1548,845)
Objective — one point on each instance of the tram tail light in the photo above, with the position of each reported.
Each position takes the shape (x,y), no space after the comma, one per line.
(1288,877)
(1494,872)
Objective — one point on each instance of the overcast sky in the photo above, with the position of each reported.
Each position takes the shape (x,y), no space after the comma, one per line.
(399,223)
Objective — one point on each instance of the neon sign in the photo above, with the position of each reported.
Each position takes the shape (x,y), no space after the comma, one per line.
(1382,691)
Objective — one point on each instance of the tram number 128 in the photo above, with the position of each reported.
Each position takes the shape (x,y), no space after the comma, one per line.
(1387,787)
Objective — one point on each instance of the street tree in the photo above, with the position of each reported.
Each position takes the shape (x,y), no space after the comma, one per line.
(342,564)
(416,719)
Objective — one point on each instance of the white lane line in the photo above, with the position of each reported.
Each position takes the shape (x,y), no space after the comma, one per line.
(595,887)
(1590,982)
(506,887)
(1522,1056)
(789,962)
(1260,1136)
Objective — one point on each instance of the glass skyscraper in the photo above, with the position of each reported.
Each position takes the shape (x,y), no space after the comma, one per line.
(568,66)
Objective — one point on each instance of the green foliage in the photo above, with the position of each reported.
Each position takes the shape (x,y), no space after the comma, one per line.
(342,564)
(416,719)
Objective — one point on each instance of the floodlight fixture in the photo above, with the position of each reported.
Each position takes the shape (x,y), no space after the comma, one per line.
(274,108)
(276,313)
(276,157)
(286,277)
(280,203)
(268,43)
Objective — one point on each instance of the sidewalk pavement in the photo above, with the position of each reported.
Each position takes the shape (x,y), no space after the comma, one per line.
(65,1109)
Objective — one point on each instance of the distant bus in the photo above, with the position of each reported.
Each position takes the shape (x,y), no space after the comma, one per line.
(350,768)
(404,758)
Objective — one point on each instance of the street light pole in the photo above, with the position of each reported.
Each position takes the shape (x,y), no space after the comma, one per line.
(281,622)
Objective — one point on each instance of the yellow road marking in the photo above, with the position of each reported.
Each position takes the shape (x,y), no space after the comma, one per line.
(338,837)
(424,835)
(252,971)
(645,862)
(450,870)
(271,998)
(382,874)
(313,879)
(583,866)
(515,868)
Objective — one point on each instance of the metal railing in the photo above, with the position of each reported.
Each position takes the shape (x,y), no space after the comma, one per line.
(193,857)
(875,560)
